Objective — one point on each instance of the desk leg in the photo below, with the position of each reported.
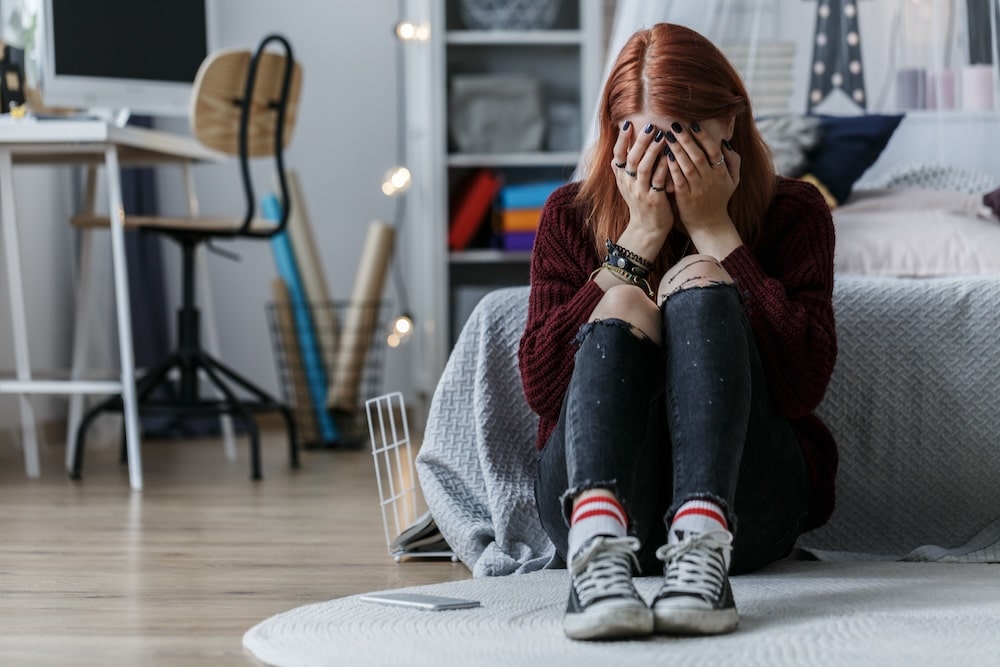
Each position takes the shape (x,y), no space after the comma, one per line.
(124,316)
(80,341)
(18,321)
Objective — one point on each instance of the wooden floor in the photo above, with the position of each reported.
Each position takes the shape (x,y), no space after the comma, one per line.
(94,574)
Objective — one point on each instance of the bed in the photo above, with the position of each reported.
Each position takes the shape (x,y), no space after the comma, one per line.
(911,402)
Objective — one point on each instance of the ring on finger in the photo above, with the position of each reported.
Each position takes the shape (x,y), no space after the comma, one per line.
(620,165)
(716,164)
(656,188)
(633,174)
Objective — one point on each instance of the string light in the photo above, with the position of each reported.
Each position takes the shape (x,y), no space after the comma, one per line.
(408,31)
(401,330)
(397,181)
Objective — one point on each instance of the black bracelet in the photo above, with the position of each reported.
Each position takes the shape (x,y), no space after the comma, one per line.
(627,260)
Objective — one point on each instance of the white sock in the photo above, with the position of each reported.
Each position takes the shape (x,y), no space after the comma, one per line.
(593,516)
(695,517)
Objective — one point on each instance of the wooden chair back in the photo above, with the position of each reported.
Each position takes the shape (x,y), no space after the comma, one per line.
(217,101)
(245,104)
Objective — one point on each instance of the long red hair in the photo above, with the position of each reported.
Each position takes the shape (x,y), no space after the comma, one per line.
(671,70)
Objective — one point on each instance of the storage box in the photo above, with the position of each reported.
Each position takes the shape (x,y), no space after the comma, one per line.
(496,113)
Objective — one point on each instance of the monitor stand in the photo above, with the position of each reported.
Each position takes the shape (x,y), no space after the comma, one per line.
(117,117)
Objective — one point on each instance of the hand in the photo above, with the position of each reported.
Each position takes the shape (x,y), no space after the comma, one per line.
(705,172)
(643,178)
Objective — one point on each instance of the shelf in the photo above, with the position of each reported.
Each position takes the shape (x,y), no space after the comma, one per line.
(515,37)
(488,256)
(542,159)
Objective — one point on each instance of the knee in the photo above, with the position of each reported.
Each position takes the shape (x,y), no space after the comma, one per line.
(693,271)
(629,304)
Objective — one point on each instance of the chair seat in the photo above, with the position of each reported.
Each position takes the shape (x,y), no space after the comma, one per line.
(209,226)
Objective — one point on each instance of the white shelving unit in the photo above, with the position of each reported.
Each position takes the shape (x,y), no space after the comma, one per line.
(568,59)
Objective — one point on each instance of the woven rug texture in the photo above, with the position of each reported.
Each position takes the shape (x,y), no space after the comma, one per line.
(797,613)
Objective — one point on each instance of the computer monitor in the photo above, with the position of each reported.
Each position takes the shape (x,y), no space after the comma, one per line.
(135,55)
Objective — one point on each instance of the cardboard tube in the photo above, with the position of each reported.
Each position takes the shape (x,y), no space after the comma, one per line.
(306,252)
(294,371)
(361,317)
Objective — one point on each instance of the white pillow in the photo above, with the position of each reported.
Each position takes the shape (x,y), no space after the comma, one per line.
(916,232)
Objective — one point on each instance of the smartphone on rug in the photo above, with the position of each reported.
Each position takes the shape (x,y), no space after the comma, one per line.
(420,601)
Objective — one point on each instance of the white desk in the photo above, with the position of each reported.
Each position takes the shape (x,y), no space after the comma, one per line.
(93,142)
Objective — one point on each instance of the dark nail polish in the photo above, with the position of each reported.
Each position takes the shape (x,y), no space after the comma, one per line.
(627,124)
(670,154)
(648,128)
(696,128)
(728,145)
(658,137)
(671,138)
(676,127)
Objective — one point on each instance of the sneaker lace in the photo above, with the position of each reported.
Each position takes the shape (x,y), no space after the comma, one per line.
(697,565)
(604,569)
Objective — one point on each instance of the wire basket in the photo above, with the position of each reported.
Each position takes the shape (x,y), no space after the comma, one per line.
(509,14)
(330,360)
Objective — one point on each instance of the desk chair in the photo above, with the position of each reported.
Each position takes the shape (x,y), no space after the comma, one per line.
(244,104)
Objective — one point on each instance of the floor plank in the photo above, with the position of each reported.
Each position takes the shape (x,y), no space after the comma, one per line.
(94,574)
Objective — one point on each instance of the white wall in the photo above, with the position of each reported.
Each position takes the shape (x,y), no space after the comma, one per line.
(344,142)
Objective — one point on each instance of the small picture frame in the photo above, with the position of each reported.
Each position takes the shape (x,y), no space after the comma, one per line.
(11,78)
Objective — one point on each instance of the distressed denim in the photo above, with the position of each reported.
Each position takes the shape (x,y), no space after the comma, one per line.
(660,426)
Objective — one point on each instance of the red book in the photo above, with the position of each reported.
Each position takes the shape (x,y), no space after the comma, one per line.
(470,207)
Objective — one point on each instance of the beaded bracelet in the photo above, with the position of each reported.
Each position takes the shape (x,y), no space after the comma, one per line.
(627,260)
(631,278)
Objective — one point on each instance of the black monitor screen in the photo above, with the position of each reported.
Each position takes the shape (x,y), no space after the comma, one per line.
(163,40)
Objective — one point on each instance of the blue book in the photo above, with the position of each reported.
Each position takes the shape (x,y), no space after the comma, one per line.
(526,195)
(312,358)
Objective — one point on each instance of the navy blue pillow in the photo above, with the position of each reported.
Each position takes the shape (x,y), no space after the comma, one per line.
(847,146)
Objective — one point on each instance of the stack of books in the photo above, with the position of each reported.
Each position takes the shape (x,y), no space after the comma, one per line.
(519,209)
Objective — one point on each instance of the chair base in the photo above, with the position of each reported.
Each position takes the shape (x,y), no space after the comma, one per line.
(189,404)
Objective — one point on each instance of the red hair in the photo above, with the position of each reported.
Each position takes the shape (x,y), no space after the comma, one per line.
(670,70)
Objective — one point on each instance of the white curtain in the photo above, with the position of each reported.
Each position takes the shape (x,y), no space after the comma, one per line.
(936,61)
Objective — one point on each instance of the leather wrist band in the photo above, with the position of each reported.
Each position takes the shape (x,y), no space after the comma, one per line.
(627,260)
(631,278)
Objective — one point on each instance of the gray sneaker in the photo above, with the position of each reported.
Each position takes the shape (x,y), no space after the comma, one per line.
(695,598)
(603,602)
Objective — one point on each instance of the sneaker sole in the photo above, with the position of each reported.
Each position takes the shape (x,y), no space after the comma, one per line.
(694,621)
(610,620)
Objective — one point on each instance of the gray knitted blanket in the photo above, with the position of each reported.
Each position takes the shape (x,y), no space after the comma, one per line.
(911,404)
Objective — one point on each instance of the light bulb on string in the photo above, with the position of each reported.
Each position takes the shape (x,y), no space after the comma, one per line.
(397,181)
(408,31)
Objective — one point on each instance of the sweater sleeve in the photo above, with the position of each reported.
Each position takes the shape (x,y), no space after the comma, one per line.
(561,300)
(789,304)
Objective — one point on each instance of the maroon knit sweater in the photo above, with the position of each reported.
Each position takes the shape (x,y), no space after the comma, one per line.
(787,282)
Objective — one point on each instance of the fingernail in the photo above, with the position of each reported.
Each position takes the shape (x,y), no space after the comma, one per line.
(695,127)
(658,136)
(676,127)
(670,154)
(648,128)
(671,138)
(627,124)
(729,146)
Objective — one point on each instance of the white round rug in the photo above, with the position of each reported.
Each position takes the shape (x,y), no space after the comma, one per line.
(793,613)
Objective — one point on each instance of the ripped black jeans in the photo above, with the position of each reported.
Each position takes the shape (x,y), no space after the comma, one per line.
(663,426)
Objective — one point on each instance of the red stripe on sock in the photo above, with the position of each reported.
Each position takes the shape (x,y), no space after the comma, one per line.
(581,508)
(703,512)
(580,516)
